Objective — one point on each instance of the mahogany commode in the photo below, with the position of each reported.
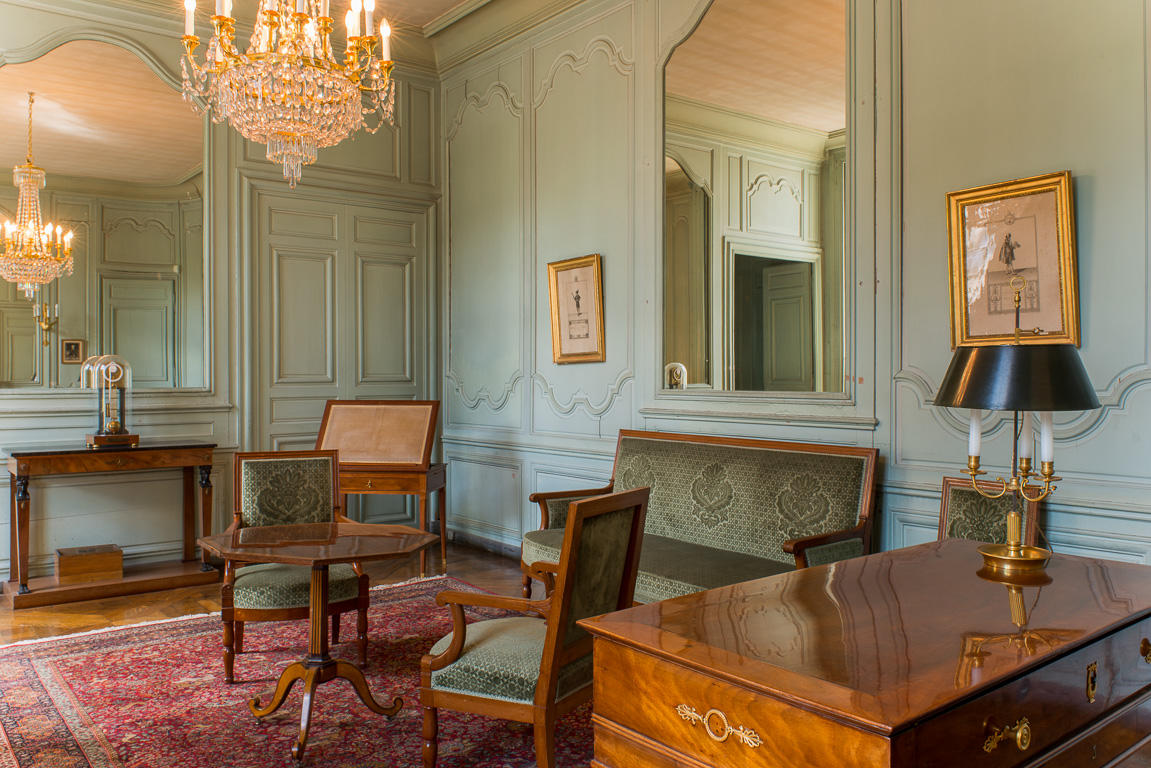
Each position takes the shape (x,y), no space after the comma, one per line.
(28,462)
(318,545)
(904,658)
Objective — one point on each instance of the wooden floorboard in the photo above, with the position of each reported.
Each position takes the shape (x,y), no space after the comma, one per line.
(492,572)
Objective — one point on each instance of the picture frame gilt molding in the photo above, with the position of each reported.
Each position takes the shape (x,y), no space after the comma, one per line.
(1017,234)
(71,351)
(575,288)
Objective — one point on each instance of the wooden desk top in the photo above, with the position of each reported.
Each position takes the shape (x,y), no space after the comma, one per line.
(880,641)
(318,543)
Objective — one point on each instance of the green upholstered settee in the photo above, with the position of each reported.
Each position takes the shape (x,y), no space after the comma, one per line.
(725,510)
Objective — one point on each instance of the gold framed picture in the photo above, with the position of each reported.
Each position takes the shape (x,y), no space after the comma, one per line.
(71,351)
(1020,233)
(576,290)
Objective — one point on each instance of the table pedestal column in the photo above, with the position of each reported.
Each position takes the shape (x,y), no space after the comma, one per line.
(318,667)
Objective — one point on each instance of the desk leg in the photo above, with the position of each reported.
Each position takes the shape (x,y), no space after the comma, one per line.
(443,515)
(189,515)
(205,511)
(18,556)
(318,667)
(424,528)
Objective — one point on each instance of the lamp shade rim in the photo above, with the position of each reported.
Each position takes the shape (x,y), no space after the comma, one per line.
(1015,377)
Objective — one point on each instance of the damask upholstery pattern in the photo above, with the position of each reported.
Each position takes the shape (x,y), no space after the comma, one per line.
(271,586)
(286,491)
(970,515)
(740,498)
(501,660)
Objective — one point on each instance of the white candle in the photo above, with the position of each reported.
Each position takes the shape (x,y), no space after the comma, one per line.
(324,8)
(369,16)
(228,8)
(1047,436)
(385,41)
(357,6)
(1026,435)
(219,7)
(189,17)
(299,6)
(348,23)
(974,432)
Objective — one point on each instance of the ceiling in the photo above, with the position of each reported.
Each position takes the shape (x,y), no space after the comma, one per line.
(779,59)
(774,58)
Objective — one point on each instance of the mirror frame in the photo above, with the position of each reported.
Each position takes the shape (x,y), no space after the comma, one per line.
(854,408)
(172,79)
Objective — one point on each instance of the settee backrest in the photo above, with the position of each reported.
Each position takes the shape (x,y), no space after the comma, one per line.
(745,495)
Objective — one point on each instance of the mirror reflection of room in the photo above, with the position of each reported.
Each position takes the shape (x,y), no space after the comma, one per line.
(124,163)
(754,220)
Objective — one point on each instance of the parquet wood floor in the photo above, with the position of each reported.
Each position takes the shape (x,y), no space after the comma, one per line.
(492,572)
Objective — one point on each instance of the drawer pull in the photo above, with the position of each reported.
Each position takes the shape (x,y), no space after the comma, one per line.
(120,461)
(369,483)
(746,735)
(1020,733)
(1145,650)
(1092,681)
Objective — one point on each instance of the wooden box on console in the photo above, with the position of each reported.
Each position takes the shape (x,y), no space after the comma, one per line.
(75,565)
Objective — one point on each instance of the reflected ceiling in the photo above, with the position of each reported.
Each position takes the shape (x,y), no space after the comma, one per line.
(779,59)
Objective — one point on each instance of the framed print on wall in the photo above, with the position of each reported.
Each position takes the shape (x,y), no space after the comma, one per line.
(71,351)
(1019,232)
(576,290)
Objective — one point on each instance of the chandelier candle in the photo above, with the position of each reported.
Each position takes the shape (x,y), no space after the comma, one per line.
(288,90)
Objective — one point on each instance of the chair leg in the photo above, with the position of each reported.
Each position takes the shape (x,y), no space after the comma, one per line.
(229,651)
(239,637)
(335,628)
(545,733)
(431,728)
(527,586)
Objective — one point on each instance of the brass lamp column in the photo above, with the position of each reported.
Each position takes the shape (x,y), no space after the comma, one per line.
(1019,377)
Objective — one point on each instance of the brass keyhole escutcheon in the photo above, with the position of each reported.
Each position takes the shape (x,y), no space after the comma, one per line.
(369,483)
(1145,650)
(1092,681)
(1020,733)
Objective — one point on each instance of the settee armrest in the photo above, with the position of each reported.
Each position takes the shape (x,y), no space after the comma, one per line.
(800,547)
(547,520)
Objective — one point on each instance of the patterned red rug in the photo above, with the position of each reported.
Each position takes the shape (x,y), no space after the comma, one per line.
(153,696)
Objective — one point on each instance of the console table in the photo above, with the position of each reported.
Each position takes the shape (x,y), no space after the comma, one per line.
(27,462)
(899,659)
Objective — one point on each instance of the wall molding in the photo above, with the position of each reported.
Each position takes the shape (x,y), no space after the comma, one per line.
(579,62)
(481,103)
(496,403)
(581,399)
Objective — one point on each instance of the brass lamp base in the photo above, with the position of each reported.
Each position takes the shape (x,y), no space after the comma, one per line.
(999,558)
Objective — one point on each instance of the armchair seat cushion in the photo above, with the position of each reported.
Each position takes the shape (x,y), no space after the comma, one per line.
(273,586)
(501,660)
(669,567)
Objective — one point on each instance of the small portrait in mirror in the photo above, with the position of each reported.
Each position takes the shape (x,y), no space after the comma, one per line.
(71,351)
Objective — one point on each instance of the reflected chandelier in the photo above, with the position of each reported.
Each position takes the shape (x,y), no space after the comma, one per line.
(34,252)
(289,91)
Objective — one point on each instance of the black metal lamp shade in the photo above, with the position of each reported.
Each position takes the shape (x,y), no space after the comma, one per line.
(1017,377)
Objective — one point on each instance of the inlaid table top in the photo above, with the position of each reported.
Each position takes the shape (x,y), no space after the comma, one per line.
(318,543)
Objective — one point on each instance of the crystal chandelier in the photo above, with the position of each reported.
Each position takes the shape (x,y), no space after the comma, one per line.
(289,91)
(34,252)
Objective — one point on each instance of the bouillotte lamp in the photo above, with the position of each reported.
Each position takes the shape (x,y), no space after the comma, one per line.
(1021,378)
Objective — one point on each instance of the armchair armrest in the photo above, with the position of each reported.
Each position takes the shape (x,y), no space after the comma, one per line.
(799,547)
(543,498)
(544,572)
(457,600)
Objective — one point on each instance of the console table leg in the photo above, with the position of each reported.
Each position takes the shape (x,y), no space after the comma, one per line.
(205,511)
(443,515)
(22,507)
(424,528)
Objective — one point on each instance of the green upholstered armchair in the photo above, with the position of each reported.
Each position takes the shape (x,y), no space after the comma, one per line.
(537,667)
(283,488)
(964,513)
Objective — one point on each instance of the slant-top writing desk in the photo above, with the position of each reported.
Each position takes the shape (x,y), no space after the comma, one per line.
(26,463)
(386,447)
(903,658)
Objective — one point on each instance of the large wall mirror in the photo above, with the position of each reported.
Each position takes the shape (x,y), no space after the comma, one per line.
(755,111)
(124,157)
